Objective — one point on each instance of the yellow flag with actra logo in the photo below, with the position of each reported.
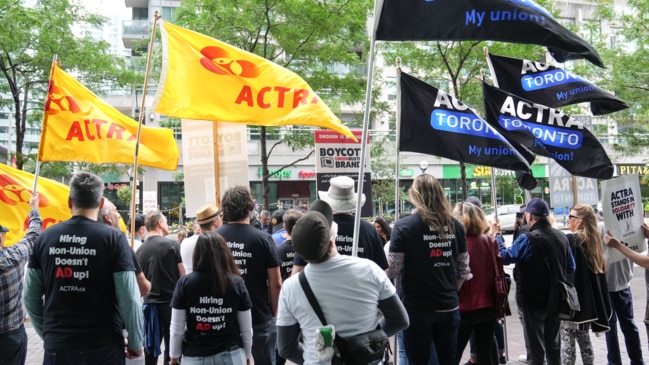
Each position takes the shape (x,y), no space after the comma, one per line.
(16,189)
(79,126)
(206,79)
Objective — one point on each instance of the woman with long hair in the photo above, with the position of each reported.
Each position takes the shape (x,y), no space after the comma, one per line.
(382,226)
(214,305)
(477,303)
(590,281)
(429,246)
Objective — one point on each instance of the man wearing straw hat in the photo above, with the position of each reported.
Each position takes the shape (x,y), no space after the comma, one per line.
(342,197)
(208,217)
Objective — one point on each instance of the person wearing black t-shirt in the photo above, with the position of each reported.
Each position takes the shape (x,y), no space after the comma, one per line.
(429,248)
(256,255)
(162,265)
(213,304)
(342,198)
(80,288)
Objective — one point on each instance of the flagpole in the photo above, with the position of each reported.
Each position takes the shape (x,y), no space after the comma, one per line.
(217,180)
(527,195)
(139,127)
(397,189)
(366,122)
(55,60)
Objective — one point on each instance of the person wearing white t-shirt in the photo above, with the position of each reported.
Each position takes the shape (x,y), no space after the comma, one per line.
(208,217)
(358,285)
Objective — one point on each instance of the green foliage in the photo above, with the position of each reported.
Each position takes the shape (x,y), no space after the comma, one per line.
(30,36)
(125,193)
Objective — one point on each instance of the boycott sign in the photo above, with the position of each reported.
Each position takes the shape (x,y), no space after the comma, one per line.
(338,155)
(622,206)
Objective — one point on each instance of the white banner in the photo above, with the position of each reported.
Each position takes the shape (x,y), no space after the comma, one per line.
(198,161)
(622,207)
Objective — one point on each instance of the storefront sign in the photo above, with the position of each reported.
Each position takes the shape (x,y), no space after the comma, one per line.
(278,174)
(630,169)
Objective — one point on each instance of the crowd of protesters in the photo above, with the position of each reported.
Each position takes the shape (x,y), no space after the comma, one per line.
(230,290)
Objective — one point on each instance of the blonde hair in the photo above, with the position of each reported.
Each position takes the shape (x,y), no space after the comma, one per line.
(427,195)
(472,217)
(589,239)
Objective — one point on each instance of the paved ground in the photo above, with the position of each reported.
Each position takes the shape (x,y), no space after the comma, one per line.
(515,342)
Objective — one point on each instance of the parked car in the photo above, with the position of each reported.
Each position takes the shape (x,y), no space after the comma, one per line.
(506,216)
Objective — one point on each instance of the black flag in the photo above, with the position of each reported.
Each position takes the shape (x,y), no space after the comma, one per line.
(517,21)
(435,123)
(550,85)
(547,132)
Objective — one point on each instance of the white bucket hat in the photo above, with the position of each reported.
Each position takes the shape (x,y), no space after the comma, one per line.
(341,195)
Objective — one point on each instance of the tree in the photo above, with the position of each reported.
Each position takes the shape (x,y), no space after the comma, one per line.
(29,38)
(314,39)
(625,53)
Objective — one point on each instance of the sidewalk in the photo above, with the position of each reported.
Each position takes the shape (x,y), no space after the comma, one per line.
(514,333)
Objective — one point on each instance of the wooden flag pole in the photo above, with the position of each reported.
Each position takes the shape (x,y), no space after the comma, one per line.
(139,128)
(217,180)
(55,60)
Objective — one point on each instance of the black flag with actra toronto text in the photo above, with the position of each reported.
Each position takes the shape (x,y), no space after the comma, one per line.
(547,132)
(550,85)
(435,123)
(517,21)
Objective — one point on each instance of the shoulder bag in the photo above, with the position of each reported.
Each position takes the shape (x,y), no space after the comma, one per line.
(362,349)
(501,287)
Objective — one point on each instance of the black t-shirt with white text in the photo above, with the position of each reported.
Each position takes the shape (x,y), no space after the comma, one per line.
(78,258)
(212,324)
(430,270)
(286,254)
(254,252)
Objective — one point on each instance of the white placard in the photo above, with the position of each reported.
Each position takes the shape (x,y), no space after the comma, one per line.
(149,201)
(622,207)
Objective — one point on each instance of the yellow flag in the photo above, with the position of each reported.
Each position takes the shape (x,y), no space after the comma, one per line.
(16,189)
(82,127)
(205,79)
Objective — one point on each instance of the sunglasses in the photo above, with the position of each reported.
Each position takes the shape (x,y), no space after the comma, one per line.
(573,217)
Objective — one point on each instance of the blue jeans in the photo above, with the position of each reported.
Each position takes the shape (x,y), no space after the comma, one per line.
(264,342)
(403,359)
(542,338)
(432,337)
(622,305)
(106,355)
(13,346)
(236,357)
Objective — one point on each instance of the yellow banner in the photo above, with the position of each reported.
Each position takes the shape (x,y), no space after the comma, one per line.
(206,79)
(16,189)
(79,126)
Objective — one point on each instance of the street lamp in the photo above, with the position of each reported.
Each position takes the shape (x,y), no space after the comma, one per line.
(423,165)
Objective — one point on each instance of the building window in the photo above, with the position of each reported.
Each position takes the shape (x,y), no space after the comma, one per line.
(170,196)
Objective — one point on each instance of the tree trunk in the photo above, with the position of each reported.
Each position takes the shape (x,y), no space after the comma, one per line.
(264,169)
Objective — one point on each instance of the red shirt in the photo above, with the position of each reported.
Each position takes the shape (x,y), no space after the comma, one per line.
(478,292)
